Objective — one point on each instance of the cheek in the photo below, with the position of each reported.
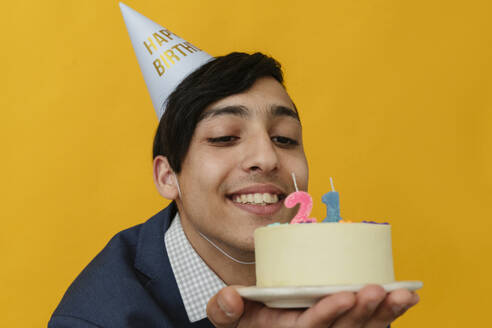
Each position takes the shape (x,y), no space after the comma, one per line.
(297,163)
(207,173)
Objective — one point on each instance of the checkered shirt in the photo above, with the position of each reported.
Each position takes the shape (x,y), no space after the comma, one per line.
(197,283)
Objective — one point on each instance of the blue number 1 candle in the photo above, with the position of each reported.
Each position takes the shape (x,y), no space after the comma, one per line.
(332,201)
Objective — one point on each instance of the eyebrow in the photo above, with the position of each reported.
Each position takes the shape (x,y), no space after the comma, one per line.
(284,111)
(228,110)
(242,111)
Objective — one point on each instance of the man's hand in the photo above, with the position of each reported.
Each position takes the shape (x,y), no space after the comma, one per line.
(371,307)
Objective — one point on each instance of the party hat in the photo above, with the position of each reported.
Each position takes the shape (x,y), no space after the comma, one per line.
(164,58)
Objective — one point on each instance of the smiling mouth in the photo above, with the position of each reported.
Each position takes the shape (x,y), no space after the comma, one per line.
(259,199)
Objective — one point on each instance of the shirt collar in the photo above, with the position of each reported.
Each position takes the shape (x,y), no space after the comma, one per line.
(197,283)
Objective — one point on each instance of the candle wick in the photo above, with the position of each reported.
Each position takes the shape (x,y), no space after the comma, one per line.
(294,178)
(332,186)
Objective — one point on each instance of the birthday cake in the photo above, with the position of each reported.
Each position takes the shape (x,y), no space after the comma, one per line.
(320,254)
(334,252)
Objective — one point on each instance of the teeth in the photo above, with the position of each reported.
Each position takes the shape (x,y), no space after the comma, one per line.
(257,198)
(249,198)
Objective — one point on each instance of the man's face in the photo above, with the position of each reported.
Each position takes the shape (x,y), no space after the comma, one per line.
(238,168)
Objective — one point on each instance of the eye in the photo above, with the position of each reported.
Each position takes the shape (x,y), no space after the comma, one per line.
(285,141)
(223,140)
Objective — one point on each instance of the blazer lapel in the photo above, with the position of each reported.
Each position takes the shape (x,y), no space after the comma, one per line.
(151,260)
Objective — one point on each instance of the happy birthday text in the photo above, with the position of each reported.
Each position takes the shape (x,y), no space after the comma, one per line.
(169,56)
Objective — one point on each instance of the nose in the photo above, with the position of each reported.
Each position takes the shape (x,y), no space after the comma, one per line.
(260,155)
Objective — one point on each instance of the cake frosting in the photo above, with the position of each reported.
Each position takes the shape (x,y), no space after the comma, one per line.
(319,254)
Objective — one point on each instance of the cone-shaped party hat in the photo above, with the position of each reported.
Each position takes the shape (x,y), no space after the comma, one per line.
(164,58)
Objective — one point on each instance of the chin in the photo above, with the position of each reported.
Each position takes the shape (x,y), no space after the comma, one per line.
(249,248)
(245,243)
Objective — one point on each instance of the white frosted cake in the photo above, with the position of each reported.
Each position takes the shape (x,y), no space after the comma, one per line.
(319,254)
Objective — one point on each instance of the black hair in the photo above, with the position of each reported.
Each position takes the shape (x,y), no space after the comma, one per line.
(219,78)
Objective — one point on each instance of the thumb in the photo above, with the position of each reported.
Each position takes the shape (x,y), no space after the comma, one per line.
(225,308)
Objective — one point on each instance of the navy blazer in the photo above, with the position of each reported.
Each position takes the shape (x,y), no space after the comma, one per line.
(129,284)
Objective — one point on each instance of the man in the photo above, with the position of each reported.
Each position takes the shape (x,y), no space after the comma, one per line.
(229,129)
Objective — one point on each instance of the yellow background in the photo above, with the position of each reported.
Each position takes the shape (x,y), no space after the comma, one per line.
(396,103)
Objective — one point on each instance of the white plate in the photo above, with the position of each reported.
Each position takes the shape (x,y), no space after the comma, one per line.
(302,297)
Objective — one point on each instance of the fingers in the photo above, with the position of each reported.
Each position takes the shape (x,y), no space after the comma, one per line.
(371,307)
(367,301)
(327,310)
(225,308)
(393,306)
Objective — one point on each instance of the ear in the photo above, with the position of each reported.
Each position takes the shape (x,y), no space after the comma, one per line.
(164,178)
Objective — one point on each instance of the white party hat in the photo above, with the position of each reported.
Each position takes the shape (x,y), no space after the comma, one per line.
(164,58)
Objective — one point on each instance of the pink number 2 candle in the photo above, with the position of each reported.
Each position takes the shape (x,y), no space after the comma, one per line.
(306,205)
